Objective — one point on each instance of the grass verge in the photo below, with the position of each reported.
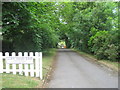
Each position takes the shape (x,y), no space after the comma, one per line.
(48,59)
(0,81)
(113,65)
(18,81)
(110,64)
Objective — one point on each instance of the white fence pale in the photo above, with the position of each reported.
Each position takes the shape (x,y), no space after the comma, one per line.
(23,64)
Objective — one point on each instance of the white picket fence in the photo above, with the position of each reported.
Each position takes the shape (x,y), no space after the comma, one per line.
(28,65)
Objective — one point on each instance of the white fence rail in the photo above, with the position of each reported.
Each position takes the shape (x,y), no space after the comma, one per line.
(28,65)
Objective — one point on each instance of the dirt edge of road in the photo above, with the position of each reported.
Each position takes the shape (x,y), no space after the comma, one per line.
(50,71)
(94,60)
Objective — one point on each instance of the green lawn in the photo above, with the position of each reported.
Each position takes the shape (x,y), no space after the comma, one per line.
(0,81)
(18,81)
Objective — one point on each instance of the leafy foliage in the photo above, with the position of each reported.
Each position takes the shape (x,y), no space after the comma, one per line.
(29,26)
(91,27)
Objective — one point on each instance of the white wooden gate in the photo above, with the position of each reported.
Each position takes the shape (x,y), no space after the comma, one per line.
(28,65)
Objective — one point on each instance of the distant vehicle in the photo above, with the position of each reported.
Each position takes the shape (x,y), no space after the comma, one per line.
(64,46)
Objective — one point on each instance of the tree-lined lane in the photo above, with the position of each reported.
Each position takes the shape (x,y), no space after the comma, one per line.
(74,71)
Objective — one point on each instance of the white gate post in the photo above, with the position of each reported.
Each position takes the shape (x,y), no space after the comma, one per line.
(26,65)
(1,62)
(40,64)
(20,65)
(31,66)
(37,64)
(7,65)
(14,65)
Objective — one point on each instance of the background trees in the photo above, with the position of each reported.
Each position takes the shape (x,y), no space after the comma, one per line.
(91,27)
(29,26)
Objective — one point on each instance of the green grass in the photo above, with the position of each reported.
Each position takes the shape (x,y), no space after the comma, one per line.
(108,63)
(48,60)
(0,81)
(18,81)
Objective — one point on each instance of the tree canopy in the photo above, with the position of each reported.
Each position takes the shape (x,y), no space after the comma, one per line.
(91,27)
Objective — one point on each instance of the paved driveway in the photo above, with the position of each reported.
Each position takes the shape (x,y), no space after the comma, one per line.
(74,71)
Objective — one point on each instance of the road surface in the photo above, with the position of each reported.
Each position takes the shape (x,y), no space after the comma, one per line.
(74,71)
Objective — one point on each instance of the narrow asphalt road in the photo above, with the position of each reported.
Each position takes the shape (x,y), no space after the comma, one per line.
(74,71)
